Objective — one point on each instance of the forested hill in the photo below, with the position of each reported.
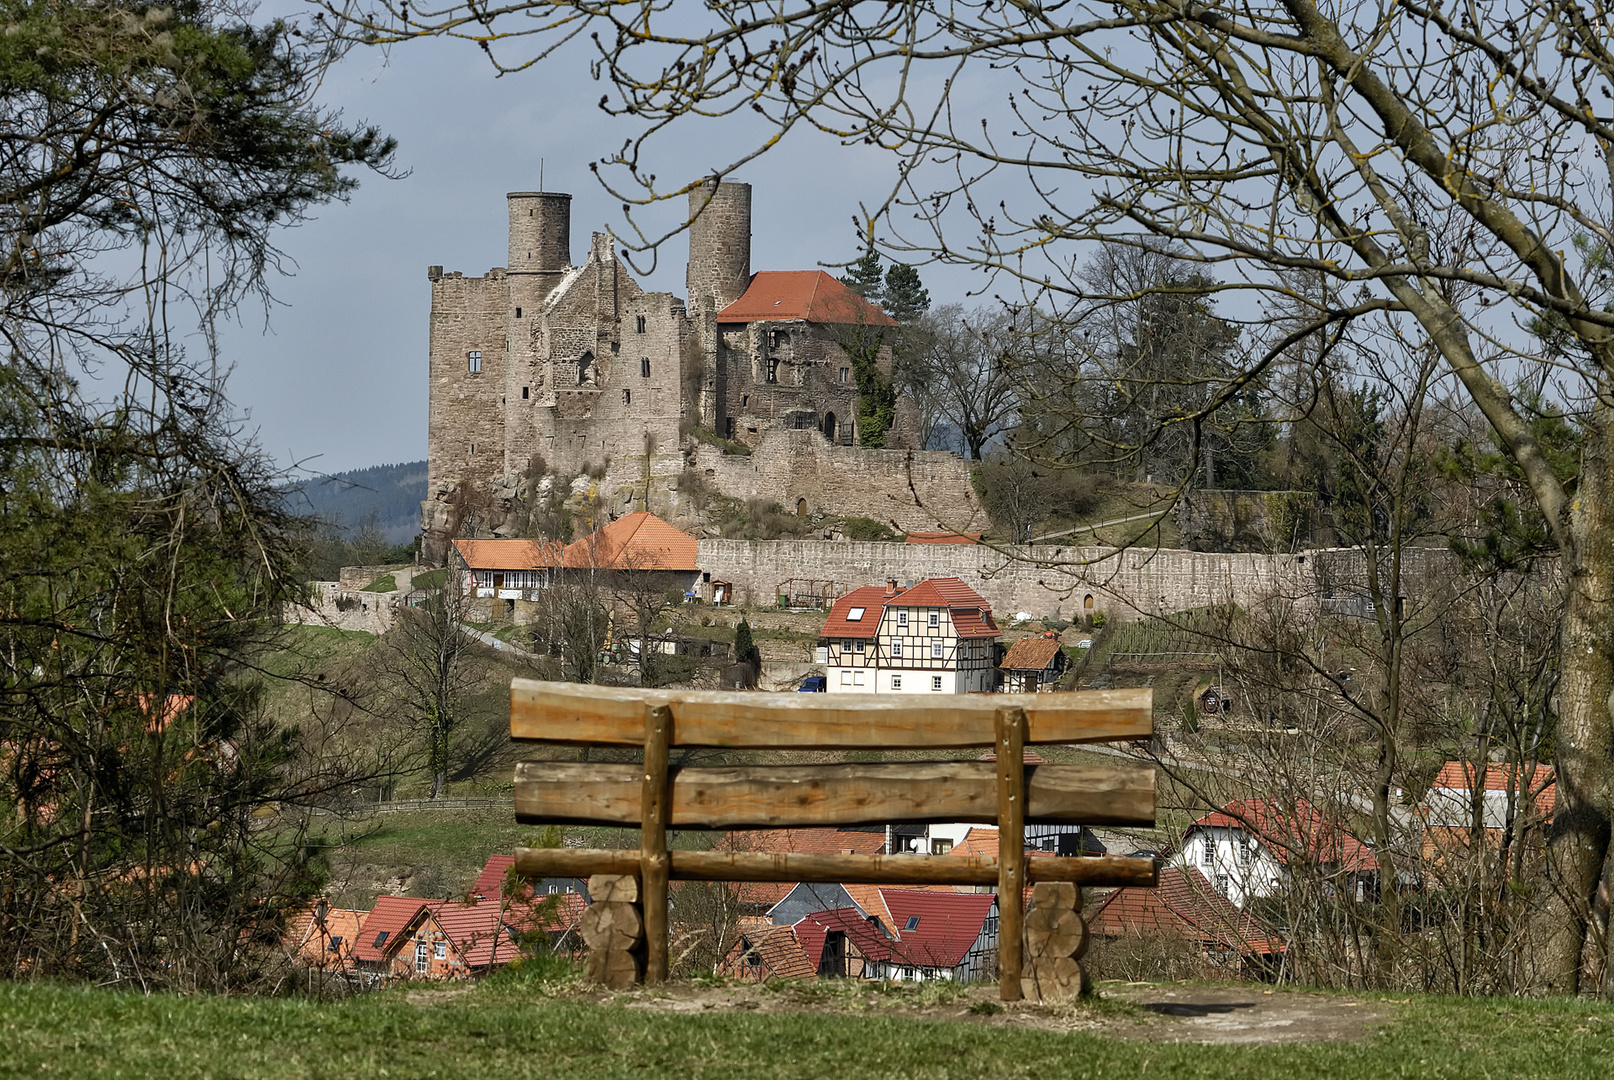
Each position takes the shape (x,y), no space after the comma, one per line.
(392,492)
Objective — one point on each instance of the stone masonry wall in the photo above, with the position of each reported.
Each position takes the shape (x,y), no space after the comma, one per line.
(465,417)
(1042,580)
(790,465)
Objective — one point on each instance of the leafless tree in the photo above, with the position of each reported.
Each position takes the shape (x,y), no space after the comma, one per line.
(427,660)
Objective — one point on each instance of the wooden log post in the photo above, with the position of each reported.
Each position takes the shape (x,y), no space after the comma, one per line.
(654,864)
(613,929)
(1011,741)
(1056,939)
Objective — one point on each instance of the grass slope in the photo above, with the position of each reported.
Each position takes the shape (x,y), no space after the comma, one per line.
(513,1027)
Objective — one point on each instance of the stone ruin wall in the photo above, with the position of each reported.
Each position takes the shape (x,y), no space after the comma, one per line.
(1127,585)
(788,466)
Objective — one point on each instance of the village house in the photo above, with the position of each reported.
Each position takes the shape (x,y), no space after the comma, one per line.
(1459,814)
(1253,848)
(639,552)
(1222,940)
(936,637)
(905,935)
(1033,665)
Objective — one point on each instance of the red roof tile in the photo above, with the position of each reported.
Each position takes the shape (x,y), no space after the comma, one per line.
(1182,905)
(943,538)
(947,592)
(324,937)
(392,916)
(946,924)
(640,541)
(872,599)
(813,295)
(489,883)
(813,929)
(1288,830)
(766,951)
(1031,654)
(477,932)
(508,554)
(1459,775)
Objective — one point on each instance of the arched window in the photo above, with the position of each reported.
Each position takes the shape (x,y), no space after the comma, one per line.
(644,367)
(585,368)
(1087,603)
(801,509)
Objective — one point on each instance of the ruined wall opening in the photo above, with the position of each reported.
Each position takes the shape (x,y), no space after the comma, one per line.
(585,368)
(829,426)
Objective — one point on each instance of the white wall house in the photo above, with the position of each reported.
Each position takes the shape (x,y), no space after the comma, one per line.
(937,637)
(1235,863)
(1246,850)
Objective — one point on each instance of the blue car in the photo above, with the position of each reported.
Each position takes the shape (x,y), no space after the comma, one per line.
(813,684)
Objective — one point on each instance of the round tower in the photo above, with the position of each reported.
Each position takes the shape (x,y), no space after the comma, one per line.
(719,244)
(540,232)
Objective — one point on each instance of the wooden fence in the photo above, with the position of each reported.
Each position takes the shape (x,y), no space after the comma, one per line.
(1006,792)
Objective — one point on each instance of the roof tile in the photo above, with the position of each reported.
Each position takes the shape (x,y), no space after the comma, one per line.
(777,295)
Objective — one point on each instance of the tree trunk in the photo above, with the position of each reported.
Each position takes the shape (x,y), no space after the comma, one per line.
(1577,843)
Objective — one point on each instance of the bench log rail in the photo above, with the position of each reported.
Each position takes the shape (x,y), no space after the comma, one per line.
(1006,792)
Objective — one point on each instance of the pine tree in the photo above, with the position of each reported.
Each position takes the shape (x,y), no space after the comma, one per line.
(864,278)
(905,297)
(745,650)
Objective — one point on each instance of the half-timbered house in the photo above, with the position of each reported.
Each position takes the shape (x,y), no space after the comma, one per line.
(935,637)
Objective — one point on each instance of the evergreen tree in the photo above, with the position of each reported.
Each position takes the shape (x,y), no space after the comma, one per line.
(865,278)
(905,297)
(745,650)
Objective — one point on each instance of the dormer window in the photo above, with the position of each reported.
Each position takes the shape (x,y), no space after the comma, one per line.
(855,615)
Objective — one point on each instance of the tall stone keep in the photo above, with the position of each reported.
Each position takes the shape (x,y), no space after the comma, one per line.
(719,245)
(540,232)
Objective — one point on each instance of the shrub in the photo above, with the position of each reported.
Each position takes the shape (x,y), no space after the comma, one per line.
(863,528)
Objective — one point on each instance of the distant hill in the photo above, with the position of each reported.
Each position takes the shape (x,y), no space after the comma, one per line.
(392,492)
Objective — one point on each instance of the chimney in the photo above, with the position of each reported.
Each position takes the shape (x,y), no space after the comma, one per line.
(891,586)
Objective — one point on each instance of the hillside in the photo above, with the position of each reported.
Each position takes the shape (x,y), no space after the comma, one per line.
(392,493)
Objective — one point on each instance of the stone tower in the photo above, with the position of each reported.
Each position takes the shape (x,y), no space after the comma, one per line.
(540,232)
(719,245)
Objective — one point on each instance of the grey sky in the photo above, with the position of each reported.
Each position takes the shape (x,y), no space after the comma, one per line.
(339,379)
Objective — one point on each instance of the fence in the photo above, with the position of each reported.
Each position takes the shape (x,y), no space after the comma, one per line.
(652,796)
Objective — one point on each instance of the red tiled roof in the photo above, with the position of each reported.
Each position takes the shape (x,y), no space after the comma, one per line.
(489,883)
(813,929)
(640,541)
(1459,775)
(947,592)
(813,295)
(943,538)
(773,952)
(392,916)
(324,937)
(1182,905)
(1287,830)
(508,554)
(477,932)
(872,599)
(948,924)
(971,614)
(978,841)
(1031,654)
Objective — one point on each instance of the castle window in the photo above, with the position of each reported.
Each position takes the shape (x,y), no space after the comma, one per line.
(640,324)
(846,374)
(585,368)
(773,371)
(518,313)
(627,397)
(644,367)
(523,393)
(473,361)
(745,399)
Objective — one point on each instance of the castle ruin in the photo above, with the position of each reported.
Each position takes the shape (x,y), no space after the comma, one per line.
(545,368)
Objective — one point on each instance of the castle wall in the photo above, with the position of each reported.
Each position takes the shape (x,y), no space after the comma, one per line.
(465,414)
(788,373)
(1042,580)
(788,466)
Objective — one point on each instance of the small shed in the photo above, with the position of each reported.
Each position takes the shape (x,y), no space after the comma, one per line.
(1033,665)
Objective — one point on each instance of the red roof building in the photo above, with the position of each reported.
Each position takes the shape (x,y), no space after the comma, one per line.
(1033,665)
(1185,906)
(936,637)
(639,542)
(1253,847)
(802,295)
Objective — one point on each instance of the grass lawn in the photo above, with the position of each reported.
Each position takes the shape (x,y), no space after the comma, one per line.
(515,1027)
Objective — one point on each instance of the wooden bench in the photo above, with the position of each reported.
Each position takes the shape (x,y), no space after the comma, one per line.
(656,797)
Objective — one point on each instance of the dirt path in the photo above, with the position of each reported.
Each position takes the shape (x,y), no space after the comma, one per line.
(1170,1012)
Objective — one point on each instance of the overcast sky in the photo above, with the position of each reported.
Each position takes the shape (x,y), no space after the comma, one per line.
(338,381)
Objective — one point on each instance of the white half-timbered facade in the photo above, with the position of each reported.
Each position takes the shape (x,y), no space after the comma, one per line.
(937,637)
